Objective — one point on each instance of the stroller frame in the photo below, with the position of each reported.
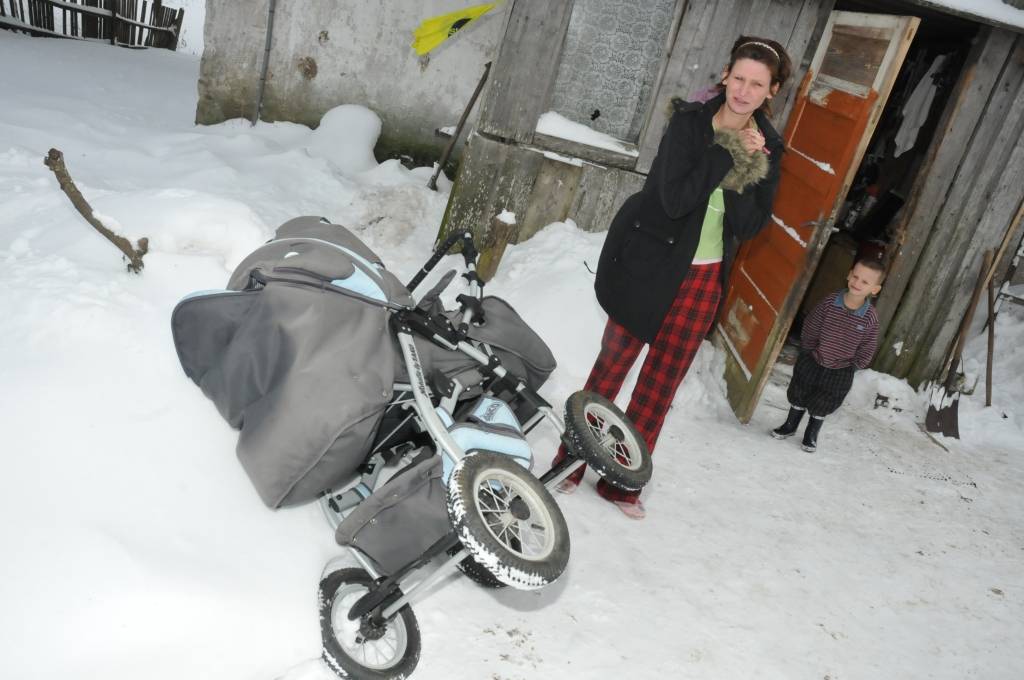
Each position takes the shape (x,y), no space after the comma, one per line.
(389,596)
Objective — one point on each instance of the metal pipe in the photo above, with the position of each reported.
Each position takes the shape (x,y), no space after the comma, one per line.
(426,411)
(266,61)
(446,567)
(432,183)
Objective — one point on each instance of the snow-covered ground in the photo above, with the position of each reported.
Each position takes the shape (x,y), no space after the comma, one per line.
(135,547)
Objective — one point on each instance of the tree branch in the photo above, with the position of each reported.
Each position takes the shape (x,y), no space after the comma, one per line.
(55,162)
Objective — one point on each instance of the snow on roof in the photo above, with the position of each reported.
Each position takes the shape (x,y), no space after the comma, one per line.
(992,11)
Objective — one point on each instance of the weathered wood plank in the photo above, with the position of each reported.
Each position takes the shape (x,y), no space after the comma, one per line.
(493,176)
(969,216)
(989,233)
(953,134)
(688,64)
(568,147)
(492,246)
(600,194)
(525,69)
(551,198)
(670,41)
(801,46)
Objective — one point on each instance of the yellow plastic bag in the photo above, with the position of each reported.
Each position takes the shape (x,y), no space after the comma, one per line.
(434,31)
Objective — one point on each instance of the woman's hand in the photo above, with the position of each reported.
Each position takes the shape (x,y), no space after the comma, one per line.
(752,140)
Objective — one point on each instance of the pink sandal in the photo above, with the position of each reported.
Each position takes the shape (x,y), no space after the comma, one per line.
(632,509)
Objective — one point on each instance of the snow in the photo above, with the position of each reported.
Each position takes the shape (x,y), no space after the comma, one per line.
(191,39)
(346,137)
(823,166)
(789,230)
(135,546)
(992,10)
(557,125)
(507,216)
(568,160)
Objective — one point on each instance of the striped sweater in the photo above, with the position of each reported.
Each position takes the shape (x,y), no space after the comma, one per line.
(838,337)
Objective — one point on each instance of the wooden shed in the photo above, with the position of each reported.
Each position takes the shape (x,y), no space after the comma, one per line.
(904,128)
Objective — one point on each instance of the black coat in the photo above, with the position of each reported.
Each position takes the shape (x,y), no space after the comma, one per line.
(652,239)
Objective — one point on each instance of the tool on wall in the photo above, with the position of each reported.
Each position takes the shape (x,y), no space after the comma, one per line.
(943,407)
(432,184)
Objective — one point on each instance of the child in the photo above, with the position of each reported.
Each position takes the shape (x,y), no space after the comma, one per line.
(839,336)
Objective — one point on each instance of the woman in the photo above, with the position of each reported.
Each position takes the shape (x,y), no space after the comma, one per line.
(666,258)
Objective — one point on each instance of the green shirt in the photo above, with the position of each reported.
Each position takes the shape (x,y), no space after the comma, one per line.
(710,247)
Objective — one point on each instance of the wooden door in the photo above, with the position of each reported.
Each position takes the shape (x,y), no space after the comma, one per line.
(833,117)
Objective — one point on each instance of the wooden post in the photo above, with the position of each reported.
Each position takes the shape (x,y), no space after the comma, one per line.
(90,22)
(176,25)
(113,22)
(492,245)
(155,12)
(991,339)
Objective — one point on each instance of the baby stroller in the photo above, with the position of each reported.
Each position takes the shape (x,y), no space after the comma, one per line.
(407,422)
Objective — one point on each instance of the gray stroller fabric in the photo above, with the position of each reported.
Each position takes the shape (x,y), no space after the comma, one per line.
(401,519)
(297,354)
(520,349)
(303,370)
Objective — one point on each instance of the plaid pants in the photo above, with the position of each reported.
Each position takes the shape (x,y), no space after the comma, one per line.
(818,389)
(685,326)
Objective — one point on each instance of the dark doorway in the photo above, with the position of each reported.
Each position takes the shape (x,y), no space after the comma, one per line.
(896,154)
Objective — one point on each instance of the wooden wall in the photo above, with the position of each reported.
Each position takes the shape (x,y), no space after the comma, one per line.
(962,205)
(702,45)
(590,188)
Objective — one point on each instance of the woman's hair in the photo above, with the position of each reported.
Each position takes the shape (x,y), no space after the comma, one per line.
(768,52)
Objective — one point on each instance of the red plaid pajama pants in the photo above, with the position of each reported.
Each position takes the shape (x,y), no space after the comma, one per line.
(685,326)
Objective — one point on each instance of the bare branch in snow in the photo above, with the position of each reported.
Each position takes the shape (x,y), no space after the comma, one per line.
(55,162)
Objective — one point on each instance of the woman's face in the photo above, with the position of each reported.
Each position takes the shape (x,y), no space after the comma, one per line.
(747,85)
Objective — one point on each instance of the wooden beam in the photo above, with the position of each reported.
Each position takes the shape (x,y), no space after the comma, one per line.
(963,206)
(551,197)
(525,70)
(952,137)
(599,195)
(493,176)
(587,152)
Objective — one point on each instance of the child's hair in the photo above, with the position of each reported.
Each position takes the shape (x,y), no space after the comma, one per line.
(874,265)
(768,52)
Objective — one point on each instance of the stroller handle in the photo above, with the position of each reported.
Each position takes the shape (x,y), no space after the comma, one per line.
(469,254)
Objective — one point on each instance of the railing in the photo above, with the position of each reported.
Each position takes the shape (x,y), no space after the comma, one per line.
(119,22)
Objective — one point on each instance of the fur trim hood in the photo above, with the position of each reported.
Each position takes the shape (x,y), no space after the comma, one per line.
(747,168)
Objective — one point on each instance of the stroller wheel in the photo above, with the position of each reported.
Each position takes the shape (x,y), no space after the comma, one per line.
(364,649)
(508,521)
(604,437)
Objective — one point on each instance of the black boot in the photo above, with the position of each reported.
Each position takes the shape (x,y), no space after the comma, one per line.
(810,443)
(788,428)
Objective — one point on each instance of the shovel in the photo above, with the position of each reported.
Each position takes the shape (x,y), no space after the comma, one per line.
(945,399)
(944,405)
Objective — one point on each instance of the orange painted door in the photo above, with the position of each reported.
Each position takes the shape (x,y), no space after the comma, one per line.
(833,117)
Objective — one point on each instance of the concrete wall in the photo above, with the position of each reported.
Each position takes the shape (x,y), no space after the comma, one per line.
(326,52)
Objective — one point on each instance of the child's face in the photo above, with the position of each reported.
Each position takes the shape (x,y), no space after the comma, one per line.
(862,281)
